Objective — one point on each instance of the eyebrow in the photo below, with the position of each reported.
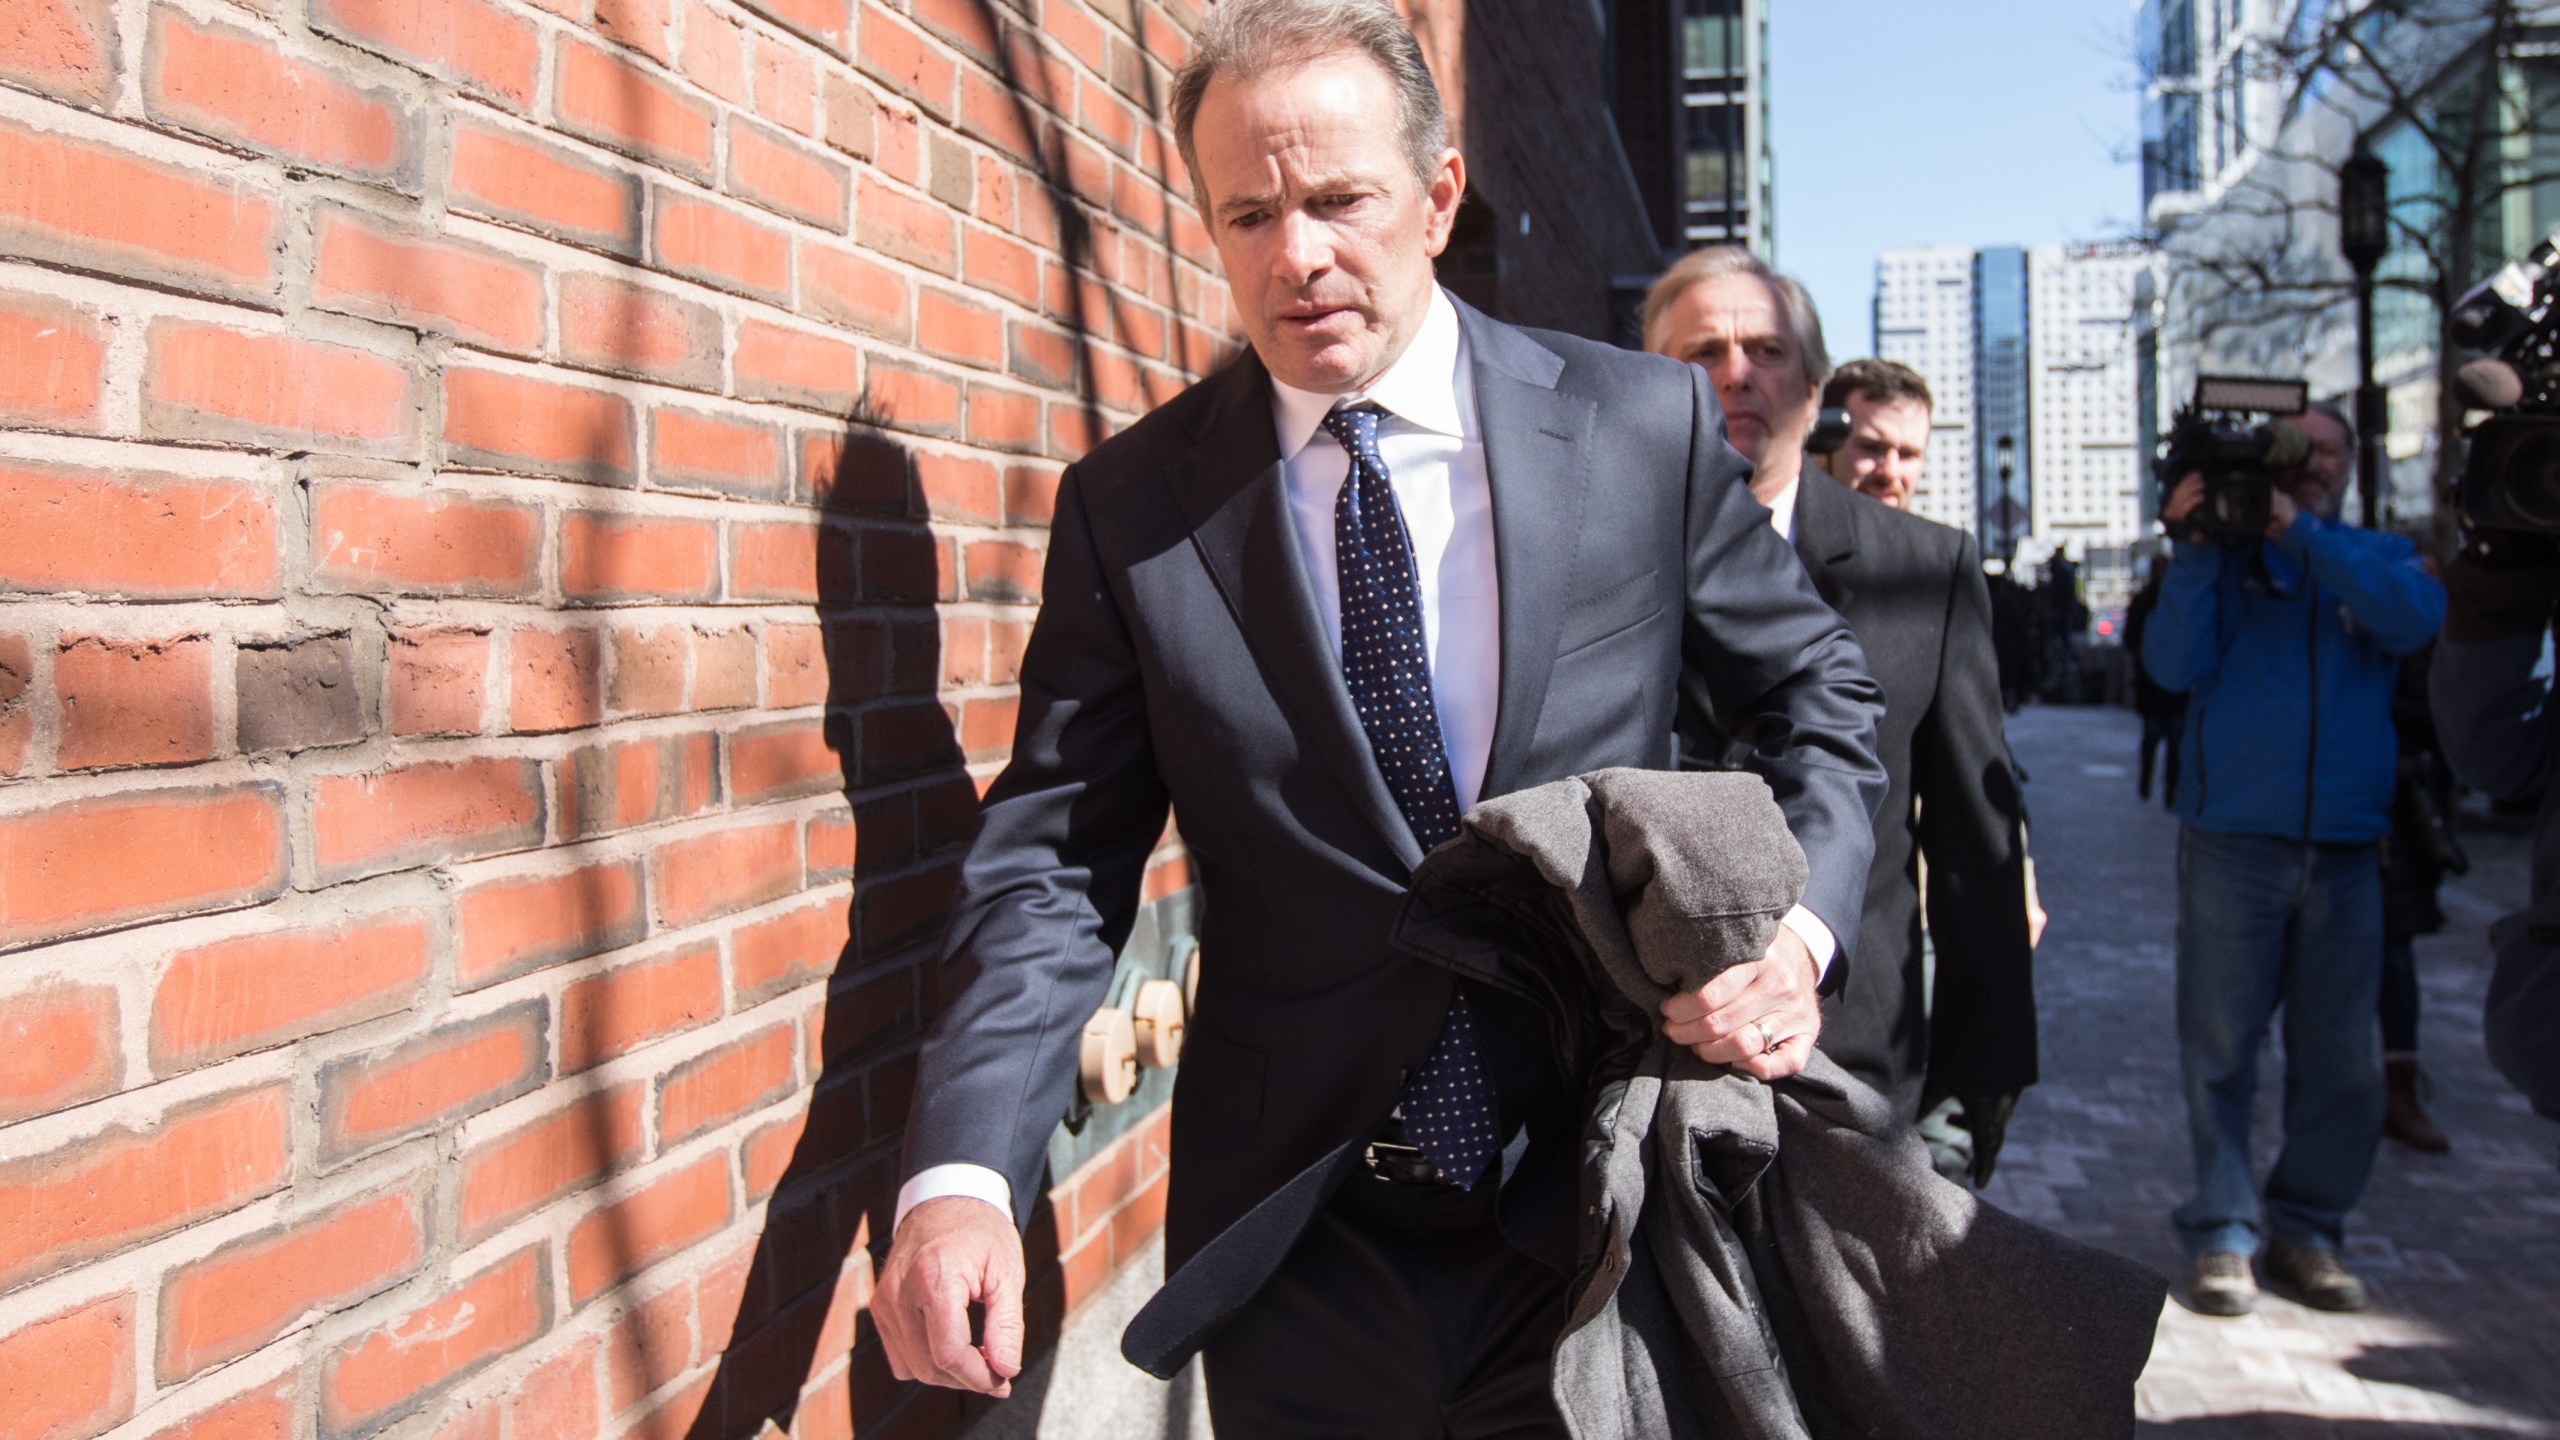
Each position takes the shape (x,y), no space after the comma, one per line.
(1321,185)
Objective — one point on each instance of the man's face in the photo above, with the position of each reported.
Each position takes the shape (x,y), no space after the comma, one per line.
(1888,440)
(2319,484)
(1730,327)
(1326,234)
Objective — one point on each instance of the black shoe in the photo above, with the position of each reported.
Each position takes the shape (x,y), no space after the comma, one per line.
(2315,1276)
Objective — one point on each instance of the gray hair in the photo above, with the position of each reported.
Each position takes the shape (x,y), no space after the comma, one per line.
(2337,412)
(1715,262)
(1254,36)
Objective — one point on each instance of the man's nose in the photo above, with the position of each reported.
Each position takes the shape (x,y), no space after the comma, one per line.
(1306,247)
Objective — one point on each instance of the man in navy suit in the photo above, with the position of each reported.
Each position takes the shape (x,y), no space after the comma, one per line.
(1398,558)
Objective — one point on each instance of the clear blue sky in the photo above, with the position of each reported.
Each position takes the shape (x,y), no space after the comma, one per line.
(1944,122)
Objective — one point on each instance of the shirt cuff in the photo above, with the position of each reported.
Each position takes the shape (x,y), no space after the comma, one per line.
(975,1181)
(1817,937)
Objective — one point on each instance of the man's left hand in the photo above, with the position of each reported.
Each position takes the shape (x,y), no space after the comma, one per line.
(1760,1017)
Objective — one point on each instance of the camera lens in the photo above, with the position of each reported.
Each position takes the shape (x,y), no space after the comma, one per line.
(2532,476)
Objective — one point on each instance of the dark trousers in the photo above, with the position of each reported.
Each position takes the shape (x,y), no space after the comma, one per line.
(1402,1314)
(2160,740)
(2399,995)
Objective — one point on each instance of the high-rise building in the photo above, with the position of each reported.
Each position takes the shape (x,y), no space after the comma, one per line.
(2085,405)
(1924,319)
(2001,439)
(2041,346)
(1690,87)
(2211,103)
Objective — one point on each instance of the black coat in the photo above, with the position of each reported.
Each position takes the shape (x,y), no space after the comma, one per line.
(1179,660)
(1913,593)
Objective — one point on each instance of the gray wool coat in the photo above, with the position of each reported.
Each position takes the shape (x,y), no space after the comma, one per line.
(1764,1261)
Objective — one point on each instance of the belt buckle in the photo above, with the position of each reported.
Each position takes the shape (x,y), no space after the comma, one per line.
(1399,1163)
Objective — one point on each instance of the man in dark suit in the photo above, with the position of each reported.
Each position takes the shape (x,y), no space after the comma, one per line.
(1952,1043)
(1398,558)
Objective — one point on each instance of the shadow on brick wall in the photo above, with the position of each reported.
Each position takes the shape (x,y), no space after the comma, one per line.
(880,572)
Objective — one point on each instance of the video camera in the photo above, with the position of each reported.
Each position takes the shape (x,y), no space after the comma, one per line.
(2511,481)
(2230,435)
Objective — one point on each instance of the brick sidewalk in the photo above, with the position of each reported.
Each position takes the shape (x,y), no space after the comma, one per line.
(2462,1251)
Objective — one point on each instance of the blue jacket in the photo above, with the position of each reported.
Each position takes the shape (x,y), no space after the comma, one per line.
(2289,649)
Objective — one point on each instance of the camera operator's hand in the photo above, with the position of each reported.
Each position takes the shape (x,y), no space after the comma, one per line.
(2280,513)
(2182,501)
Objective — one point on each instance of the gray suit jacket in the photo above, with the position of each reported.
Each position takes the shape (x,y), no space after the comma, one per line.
(1179,660)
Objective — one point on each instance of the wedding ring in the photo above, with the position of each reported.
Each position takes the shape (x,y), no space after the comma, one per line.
(1760,1046)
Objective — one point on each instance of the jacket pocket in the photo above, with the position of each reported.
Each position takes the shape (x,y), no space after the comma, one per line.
(1594,618)
(1222,1074)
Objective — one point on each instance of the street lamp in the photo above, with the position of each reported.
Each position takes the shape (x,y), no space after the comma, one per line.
(2007,448)
(2364,237)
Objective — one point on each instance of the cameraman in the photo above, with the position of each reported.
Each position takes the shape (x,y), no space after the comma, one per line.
(2494,718)
(2286,645)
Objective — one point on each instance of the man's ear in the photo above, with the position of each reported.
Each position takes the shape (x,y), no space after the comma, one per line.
(1440,199)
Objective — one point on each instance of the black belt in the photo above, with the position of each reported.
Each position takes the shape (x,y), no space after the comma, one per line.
(1398,1163)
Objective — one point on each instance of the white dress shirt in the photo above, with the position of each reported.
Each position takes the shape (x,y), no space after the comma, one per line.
(1434,450)
(1435,461)
(1782,510)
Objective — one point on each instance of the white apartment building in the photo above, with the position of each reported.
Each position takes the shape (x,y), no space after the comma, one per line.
(1924,319)
(2083,396)
(2070,394)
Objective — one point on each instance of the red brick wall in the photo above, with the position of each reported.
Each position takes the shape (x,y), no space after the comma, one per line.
(518,519)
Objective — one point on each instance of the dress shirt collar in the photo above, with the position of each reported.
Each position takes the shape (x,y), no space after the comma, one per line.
(1421,388)
(1782,510)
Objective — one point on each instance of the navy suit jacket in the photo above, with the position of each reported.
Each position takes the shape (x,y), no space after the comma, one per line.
(1179,661)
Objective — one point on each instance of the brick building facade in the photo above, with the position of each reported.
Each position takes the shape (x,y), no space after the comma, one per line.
(518,523)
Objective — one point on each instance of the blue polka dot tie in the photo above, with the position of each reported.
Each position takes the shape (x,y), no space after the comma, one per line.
(1448,1104)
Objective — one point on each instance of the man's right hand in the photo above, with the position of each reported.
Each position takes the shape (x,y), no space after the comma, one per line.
(2183,499)
(950,1253)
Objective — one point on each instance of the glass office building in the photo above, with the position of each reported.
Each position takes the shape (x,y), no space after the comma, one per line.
(2000,397)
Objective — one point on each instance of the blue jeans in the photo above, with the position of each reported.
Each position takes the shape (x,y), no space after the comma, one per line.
(2267,924)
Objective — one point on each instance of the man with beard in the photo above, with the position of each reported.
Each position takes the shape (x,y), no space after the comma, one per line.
(1889,410)
(2287,645)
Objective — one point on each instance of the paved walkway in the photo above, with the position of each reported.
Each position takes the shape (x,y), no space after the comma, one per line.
(2462,1251)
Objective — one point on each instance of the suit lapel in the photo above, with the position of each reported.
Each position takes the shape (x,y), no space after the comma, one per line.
(1234,491)
(1534,438)
(1826,535)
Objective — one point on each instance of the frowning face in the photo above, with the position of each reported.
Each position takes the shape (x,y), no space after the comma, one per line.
(1730,327)
(1326,233)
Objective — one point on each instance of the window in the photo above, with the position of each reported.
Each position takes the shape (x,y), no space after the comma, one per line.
(2177,39)
(1711,37)
(1712,157)
(2169,147)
